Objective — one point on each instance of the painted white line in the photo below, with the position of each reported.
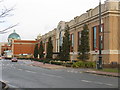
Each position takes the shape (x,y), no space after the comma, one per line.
(75,71)
(108,84)
(103,83)
(68,71)
(86,81)
(52,75)
(19,69)
(30,71)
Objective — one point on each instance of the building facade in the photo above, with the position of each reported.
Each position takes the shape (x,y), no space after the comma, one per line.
(22,48)
(15,47)
(110,30)
(45,38)
(3,47)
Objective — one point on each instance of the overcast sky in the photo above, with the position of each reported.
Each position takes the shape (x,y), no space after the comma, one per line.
(41,16)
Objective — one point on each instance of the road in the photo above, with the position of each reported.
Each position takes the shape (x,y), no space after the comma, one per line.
(21,75)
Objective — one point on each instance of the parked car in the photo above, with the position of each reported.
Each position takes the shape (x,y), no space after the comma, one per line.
(14,59)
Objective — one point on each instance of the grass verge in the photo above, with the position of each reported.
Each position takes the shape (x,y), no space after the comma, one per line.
(113,70)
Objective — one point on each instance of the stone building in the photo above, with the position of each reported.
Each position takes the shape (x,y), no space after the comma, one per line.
(44,39)
(110,30)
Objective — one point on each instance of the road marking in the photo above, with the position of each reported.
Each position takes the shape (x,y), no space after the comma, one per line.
(76,71)
(85,81)
(108,84)
(52,75)
(73,71)
(30,71)
(19,69)
(96,82)
(103,83)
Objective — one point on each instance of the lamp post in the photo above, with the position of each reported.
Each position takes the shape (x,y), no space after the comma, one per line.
(100,50)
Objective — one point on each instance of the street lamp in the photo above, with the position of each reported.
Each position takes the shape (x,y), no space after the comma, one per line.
(100,50)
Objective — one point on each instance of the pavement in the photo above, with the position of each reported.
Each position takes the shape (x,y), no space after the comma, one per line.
(46,65)
(51,66)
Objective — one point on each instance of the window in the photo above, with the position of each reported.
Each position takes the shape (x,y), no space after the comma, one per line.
(94,37)
(72,41)
(61,39)
(72,37)
(79,38)
(57,45)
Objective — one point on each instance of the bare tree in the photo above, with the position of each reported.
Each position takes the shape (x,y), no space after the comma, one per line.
(5,12)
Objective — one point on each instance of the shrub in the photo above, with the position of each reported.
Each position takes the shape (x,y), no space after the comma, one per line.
(82,64)
(90,64)
(68,64)
(56,63)
(78,64)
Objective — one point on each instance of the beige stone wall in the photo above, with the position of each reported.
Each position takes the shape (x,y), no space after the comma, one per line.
(111,22)
(113,58)
(119,38)
(113,26)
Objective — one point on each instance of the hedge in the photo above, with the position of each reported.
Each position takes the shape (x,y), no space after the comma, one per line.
(82,64)
(57,63)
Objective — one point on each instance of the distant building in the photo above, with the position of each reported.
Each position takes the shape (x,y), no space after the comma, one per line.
(22,48)
(109,32)
(17,47)
(3,47)
(13,36)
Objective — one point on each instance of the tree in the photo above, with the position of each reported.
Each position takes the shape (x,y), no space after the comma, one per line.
(84,48)
(65,49)
(5,12)
(36,51)
(49,49)
(41,50)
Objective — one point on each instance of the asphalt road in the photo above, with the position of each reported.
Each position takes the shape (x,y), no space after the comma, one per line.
(21,75)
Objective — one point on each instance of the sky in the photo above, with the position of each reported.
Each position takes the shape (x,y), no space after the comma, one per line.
(41,16)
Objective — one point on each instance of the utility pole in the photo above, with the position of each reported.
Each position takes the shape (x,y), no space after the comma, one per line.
(100,49)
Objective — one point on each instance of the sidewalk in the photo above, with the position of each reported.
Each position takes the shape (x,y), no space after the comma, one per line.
(103,73)
(52,66)
(46,65)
